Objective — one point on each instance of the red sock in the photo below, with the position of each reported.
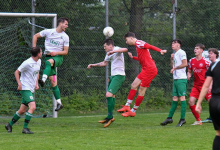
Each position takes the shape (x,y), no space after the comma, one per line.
(193,110)
(132,94)
(138,101)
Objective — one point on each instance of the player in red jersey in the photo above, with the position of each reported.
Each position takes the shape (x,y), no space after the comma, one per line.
(198,65)
(147,74)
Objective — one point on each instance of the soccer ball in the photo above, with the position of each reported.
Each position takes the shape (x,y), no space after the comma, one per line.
(108,31)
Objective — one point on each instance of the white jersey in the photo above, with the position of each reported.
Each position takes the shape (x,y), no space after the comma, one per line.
(54,41)
(29,72)
(177,60)
(117,63)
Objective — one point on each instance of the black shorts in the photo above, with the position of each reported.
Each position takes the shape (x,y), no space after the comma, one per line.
(214,110)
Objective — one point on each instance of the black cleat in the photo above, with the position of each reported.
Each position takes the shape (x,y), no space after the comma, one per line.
(8,127)
(26,131)
(167,121)
(59,106)
(41,82)
(181,122)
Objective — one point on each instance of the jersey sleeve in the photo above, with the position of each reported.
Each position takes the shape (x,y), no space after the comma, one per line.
(135,58)
(190,64)
(66,41)
(23,67)
(148,46)
(107,58)
(43,33)
(207,64)
(183,55)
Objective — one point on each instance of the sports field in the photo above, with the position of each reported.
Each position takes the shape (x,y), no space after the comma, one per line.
(142,132)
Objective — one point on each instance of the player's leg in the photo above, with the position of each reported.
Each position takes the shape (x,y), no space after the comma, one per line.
(48,64)
(216,142)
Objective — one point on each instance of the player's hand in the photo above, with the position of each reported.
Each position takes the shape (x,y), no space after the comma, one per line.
(130,55)
(52,53)
(210,89)
(36,87)
(198,108)
(110,53)
(188,76)
(162,52)
(172,55)
(171,71)
(19,87)
(89,66)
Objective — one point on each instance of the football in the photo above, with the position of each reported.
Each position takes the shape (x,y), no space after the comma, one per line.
(108,31)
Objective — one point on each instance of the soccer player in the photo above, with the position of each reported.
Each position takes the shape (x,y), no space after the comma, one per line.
(115,55)
(198,65)
(27,84)
(178,65)
(212,75)
(213,55)
(56,46)
(147,74)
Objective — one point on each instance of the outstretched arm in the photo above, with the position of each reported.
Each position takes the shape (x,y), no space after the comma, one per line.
(100,64)
(34,40)
(120,50)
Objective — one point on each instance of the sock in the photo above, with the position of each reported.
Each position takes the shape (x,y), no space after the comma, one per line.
(110,107)
(46,71)
(131,96)
(216,143)
(172,109)
(137,103)
(56,92)
(15,118)
(59,101)
(113,103)
(193,110)
(210,117)
(183,109)
(27,119)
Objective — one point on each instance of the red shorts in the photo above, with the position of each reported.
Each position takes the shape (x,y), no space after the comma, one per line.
(146,76)
(196,91)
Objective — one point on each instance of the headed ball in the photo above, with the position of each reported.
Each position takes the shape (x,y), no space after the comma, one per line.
(108,31)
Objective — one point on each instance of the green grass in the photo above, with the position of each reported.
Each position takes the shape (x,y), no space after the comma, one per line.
(142,132)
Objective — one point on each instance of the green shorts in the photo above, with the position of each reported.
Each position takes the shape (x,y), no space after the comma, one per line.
(115,83)
(58,60)
(27,97)
(179,87)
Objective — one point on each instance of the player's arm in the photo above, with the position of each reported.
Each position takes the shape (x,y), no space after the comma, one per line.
(100,64)
(131,56)
(148,46)
(184,64)
(17,77)
(203,93)
(64,52)
(171,60)
(189,74)
(120,50)
(34,40)
(37,86)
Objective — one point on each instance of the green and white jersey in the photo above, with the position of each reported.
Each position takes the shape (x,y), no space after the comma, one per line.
(177,60)
(117,63)
(29,72)
(54,41)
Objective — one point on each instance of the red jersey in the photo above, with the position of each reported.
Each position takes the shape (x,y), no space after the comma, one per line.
(199,68)
(143,54)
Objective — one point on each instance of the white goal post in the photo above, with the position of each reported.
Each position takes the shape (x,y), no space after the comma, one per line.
(54,24)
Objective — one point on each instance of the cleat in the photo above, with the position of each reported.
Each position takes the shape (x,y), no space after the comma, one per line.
(208,120)
(128,114)
(8,127)
(41,82)
(59,106)
(197,123)
(26,131)
(167,121)
(105,120)
(181,122)
(124,109)
(108,122)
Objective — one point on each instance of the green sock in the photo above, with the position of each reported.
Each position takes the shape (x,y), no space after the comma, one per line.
(15,118)
(110,107)
(183,109)
(56,92)
(210,117)
(27,119)
(173,108)
(47,68)
(113,103)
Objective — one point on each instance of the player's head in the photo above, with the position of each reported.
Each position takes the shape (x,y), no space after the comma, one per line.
(176,44)
(108,45)
(36,52)
(213,54)
(130,38)
(199,49)
(62,23)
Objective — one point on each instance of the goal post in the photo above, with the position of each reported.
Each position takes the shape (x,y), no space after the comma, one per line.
(35,15)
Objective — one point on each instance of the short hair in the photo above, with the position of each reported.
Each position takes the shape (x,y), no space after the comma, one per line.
(109,42)
(35,51)
(62,20)
(200,46)
(214,50)
(129,34)
(177,41)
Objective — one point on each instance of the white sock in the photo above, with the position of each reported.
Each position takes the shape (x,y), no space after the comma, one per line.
(44,77)
(133,110)
(59,101)
(128,102)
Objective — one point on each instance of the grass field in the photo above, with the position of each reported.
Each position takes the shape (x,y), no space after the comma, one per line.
(142,132)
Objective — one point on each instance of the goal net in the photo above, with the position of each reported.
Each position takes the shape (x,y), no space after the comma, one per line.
(16,42)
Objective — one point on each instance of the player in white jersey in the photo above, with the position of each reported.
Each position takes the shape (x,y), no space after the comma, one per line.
(115,55)
(56,45)
(178,64)
(27,84)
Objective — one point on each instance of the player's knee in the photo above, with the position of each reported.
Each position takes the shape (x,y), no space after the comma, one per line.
(21,112)
(133,86)
(175,98)
(182,98)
